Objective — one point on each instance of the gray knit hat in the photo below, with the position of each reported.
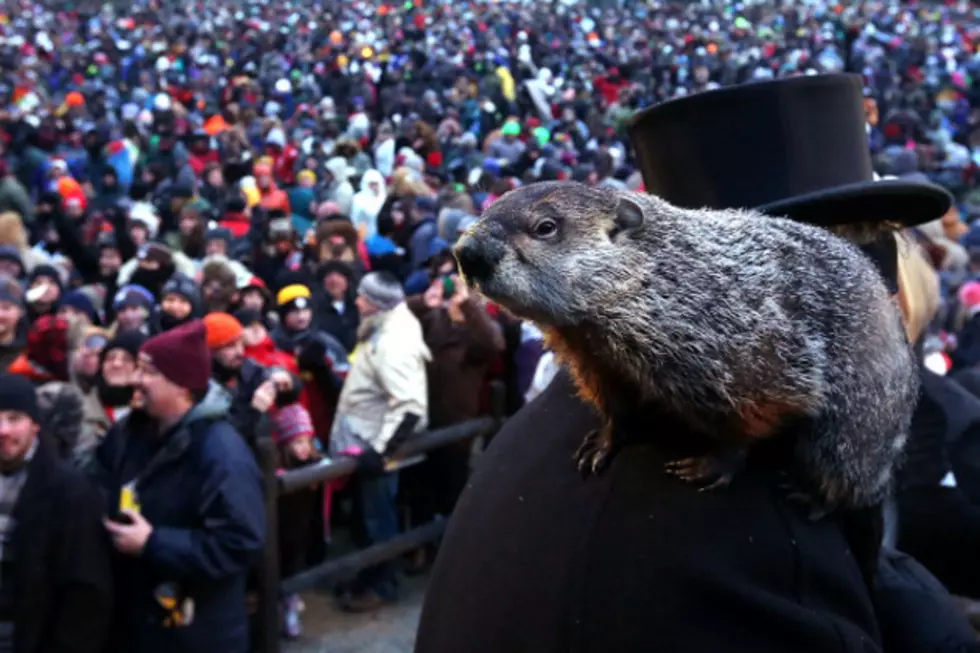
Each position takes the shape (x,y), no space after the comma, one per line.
(381,289)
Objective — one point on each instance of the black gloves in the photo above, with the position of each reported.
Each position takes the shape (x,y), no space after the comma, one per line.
(370,462)
(313,356)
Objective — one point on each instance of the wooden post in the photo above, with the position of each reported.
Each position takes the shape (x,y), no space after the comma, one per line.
(267,616)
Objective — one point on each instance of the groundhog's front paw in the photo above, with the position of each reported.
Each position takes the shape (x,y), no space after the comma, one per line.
(710,472)
(811,502)
(594,454)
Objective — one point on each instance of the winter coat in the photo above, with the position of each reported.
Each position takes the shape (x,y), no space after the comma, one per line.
(75,420)
(366,205)
(273,199)
(340,190)
(385,383)
(14,197)
(10,353)
(242,416)
(341,325)
(200,488)
(967,352)
(536,558)
(420,243)
(62,576)
(461,356)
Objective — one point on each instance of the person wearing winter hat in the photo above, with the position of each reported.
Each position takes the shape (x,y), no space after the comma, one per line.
(384,401)
(967,352)
(75,581)
(46,356)
(133,305)
(254,294)
(219,285)
(76,306)
(117,372)
(378,293)
(180,302)
(336,312)
(11,262)
(201,516)
(294,304)
(293,433)
(155,265)
(217,241)
(253,388)
(44,288)
(13,322)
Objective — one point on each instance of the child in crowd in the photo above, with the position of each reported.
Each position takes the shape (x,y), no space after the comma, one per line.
(292,431)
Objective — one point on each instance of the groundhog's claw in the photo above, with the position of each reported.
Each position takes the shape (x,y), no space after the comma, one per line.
(594,454)
(712,472)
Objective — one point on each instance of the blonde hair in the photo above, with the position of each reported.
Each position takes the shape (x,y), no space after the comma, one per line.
(918,288)
(12,231)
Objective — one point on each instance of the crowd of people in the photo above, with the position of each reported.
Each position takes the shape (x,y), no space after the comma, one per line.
(226,221)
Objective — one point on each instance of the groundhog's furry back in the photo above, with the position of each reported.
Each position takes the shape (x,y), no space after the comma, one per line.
(731,320)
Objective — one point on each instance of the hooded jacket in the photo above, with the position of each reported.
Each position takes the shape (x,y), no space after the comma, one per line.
(340,189)
(366,204)
(199,486)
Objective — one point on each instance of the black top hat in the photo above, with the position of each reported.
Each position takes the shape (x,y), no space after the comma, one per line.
(792,147)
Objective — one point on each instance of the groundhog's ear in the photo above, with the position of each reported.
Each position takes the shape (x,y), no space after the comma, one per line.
(629,216)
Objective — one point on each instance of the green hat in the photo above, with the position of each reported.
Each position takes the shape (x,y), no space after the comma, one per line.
(542,135)
(511,128)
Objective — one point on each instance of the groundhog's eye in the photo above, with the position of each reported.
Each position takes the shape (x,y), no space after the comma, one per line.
(545,229)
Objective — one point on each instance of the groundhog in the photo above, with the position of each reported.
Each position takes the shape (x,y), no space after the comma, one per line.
(737,324)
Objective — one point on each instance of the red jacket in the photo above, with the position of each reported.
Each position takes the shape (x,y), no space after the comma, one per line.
(266,355)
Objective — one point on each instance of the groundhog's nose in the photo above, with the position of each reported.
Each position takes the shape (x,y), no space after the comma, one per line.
(477,258)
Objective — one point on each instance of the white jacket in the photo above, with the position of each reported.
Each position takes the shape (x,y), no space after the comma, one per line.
(366,205)
(386,381)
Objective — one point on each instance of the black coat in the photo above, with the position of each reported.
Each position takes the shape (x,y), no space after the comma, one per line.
(342,326)
(536,560)
(62,577)
(242,416)
(201,490)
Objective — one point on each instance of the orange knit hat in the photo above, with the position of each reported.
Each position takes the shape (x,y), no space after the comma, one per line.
(223,330)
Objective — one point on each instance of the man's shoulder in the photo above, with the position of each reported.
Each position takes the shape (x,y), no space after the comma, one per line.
(222,445)
(637,546)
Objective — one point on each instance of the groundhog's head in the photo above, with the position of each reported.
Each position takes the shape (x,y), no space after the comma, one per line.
(554,252)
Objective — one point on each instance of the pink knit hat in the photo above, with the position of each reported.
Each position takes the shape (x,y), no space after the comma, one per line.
(969,294)
(290,423)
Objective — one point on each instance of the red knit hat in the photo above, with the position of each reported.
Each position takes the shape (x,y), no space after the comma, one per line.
(181,355)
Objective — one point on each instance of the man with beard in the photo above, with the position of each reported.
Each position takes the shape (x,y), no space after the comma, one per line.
(254,389)
(55,578)
(13,326)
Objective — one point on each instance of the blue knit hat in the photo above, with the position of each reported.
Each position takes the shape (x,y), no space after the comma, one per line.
(80,301)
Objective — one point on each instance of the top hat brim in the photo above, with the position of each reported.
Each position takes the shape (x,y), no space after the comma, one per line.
(901,201)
